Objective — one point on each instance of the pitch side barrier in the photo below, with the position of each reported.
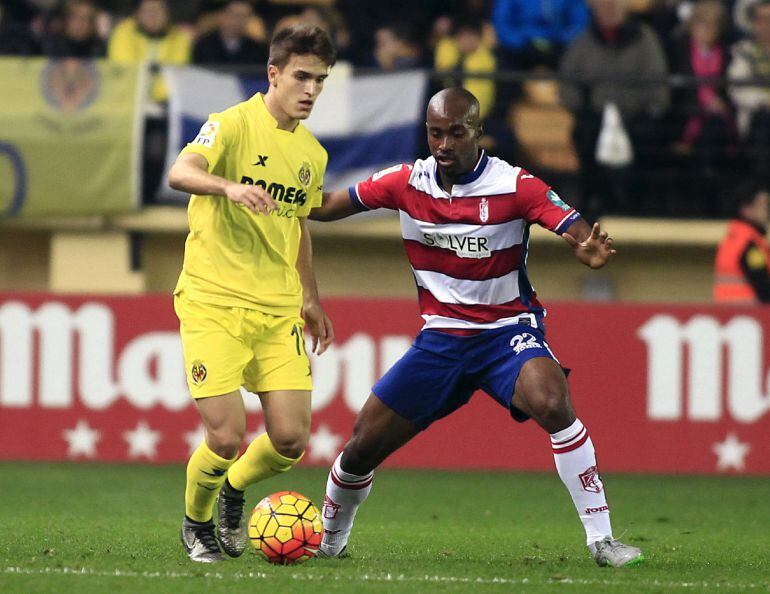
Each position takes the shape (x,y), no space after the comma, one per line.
(684,389)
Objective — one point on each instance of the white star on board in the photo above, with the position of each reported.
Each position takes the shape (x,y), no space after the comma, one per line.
(324,444)
(194,438)
(142,441)
(81,440)
(731,453)
(249,437)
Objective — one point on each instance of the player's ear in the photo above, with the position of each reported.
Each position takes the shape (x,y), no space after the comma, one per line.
(272,74)
(479,131)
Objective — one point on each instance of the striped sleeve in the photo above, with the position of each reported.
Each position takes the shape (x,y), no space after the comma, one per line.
(540,204)
(381,190)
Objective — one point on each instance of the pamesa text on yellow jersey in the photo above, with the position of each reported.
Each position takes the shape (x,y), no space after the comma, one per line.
(233,257)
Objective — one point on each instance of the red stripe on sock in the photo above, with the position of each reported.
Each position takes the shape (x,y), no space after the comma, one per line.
(569,439)
(352,482)
(344,485)
(574,446)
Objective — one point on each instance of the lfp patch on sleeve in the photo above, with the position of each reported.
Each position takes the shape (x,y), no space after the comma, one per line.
(554,198)
(207,134)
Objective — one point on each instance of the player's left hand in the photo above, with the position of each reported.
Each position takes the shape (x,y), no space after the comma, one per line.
(595,250)
(319,326)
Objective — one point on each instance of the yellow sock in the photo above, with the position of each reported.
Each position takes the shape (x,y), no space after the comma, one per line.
(259,461)
(206,472)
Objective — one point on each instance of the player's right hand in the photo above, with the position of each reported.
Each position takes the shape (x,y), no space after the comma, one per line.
(255,198)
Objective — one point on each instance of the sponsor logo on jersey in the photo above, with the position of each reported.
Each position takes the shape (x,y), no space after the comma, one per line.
(304,174)
(207,134)
(522,342)
(279,192)
(484,210)
(261,161)
(590,480)
(198,372)
(465,246)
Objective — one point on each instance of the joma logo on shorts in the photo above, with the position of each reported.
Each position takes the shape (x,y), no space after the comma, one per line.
(279,192)
(522,342)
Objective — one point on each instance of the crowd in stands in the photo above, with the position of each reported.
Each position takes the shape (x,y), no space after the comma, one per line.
(639,104)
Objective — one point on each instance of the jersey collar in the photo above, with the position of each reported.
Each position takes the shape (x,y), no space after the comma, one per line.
(259,101)
(471,176)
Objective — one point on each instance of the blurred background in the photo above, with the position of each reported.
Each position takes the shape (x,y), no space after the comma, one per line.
(652,116)
(685,79)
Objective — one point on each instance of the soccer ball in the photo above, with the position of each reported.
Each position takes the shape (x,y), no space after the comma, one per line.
(285,528)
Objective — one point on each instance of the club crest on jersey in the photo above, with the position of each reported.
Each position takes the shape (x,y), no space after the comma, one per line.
(484,210)
(304,174)
(590,480)
(198,372)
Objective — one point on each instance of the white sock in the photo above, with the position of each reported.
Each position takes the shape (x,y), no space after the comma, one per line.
(345,492)
(575,460)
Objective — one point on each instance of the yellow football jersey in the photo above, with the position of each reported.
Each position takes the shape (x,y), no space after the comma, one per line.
(233,257)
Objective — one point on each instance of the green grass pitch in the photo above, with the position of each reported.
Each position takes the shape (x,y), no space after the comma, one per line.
(110,529)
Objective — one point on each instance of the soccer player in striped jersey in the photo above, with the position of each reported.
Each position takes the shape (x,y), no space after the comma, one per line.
(465,220)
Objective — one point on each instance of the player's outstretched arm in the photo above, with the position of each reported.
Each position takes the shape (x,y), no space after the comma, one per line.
(317,322)
(592,246)
(190,174)
(336,205)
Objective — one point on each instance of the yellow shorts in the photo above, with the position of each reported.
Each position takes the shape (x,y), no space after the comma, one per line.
(229,347)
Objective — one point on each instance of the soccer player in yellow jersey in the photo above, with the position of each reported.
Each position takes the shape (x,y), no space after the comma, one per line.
(247,286)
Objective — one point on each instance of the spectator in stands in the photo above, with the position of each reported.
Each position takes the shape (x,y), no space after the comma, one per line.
(149,37)
(466,51)
(742,266)
(396,47)
(328,19)
(534,33)
(703,112)
(751,60)
(15,36)
(78,37)
(363,18)
(230,44)
(616,46)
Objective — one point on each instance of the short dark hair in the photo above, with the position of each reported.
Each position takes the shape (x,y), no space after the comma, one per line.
(301,40)
(746,192)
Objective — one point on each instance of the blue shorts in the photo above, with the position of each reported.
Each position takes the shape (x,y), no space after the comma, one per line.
(440,372)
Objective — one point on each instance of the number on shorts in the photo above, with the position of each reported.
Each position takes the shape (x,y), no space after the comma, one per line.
(297,334)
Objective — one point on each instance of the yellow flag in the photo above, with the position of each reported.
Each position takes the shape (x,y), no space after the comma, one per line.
(70,137)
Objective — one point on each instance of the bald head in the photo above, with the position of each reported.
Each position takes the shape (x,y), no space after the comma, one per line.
(455,103)
(454,128)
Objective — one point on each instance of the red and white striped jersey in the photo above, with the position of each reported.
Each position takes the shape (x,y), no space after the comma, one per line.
(468,248)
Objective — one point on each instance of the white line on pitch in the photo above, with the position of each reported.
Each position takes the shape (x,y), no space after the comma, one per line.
(386,577)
